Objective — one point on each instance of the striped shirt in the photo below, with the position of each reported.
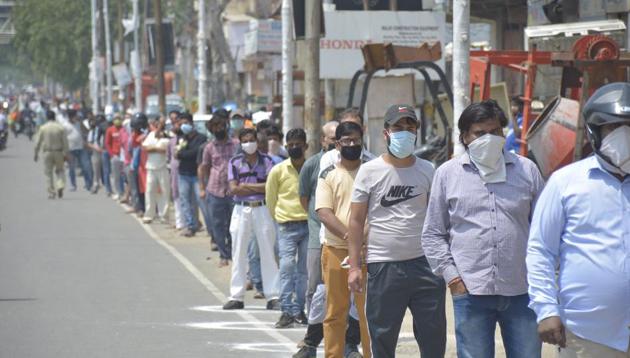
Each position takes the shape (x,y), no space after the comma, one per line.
(216,156)
(241,171)
(479,231)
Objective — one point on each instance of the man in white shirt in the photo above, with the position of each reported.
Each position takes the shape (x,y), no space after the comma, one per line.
(158,186)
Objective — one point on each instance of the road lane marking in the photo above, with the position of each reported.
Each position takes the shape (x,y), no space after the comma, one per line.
(249,309)
(280,338)
(238,325)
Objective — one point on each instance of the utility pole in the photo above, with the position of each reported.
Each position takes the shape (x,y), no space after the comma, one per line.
(159,54)
(287,67)
(136,64)
(311,76)
(202,63)
(108,54)
(461,66)
(329,92)
(94,64)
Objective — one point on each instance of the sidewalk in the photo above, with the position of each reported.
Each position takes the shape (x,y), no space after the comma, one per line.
(197,250)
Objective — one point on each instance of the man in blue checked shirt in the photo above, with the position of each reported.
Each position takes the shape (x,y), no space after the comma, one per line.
(475,236)
(578,257)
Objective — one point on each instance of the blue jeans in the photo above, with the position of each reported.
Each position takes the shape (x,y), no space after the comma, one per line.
(80,157)
(476,318)
(189,196)
(293,247)
(253,256)
(220,210)
(107,169)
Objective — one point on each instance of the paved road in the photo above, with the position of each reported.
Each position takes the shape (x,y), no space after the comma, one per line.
(80,278)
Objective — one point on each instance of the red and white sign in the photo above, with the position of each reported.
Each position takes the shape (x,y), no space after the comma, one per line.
(347,31)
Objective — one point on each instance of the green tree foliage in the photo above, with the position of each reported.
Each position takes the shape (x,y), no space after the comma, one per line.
(54,35)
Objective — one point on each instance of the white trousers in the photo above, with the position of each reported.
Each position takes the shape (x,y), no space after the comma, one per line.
(179,218)
(245,222)
(158,192)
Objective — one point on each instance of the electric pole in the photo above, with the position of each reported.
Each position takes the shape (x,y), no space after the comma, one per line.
(108,55)
(159,54)
(94,64)
(461,69)
(202,59)
(136,64)
(287,67)
(312,123)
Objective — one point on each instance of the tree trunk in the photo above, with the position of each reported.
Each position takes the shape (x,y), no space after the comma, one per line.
(217,79)
(221,47)
(311,77)
(159,54)
(121,31)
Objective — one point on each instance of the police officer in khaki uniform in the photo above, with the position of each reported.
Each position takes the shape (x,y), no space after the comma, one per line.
(52,140)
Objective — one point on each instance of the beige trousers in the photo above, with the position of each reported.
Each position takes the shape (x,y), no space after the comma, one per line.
(53,161)
(582,348)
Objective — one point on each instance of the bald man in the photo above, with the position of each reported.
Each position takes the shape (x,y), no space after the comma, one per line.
(308,184)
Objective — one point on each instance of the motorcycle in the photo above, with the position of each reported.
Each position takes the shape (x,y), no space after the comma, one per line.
(4,137)
(29,128)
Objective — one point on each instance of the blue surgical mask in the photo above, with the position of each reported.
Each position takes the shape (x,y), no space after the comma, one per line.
(186,128)
(401,144)
(237,123)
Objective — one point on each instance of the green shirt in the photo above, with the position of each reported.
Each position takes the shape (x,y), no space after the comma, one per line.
(308,184)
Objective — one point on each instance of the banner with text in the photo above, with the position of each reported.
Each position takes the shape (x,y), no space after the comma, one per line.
(347,31)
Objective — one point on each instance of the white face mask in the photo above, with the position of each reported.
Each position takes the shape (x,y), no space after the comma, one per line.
(487,154)
(274,147)
(249,147)
(616,147)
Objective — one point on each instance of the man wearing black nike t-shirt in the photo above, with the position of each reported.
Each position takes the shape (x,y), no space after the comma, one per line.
(391,192)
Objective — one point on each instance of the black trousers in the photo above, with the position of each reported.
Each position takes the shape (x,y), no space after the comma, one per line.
(392,287)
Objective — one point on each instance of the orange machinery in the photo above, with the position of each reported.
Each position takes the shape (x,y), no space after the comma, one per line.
(594,61)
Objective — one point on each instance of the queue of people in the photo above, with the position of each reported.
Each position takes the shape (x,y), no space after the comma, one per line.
(344,242)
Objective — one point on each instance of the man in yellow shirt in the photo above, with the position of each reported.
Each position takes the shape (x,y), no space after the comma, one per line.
(332,202)
(283,201)
(52,140)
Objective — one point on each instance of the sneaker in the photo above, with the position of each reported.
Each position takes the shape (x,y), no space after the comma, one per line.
(285,321)
(115,197)
(147,220)
(60,193)
(234,305)
(259,295)
(301,318)
(213,247)
(306,352)
(273,305)
(351,351)
(249,286)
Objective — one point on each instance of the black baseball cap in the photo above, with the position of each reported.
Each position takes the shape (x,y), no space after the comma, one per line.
(398,112)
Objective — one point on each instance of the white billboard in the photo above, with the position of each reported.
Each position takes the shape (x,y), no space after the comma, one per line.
(347,31)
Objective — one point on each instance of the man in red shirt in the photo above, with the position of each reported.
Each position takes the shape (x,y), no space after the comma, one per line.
(113,143)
